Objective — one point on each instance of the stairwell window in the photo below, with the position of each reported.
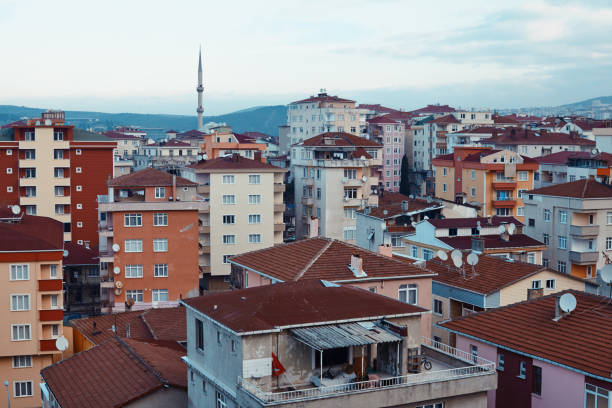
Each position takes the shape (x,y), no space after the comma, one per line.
(561,267)
(408,294)
(608,243)
(500,362)
(523,176)
(522,370)
(547,215)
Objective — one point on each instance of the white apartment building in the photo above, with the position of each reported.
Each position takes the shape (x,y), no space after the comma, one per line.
(335,175)
(575,220)
(324,113)
(245,211)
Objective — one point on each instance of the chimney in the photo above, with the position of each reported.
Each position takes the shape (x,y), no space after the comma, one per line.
(404,206)
(385,250)
(257,156)
(314,227)
(357,265)
(174,186)
(557,308)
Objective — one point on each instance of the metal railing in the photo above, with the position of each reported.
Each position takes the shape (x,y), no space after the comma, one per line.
(477,366)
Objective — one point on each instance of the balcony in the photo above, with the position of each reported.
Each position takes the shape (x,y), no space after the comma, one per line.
(203,189)
(107,256)
(54,315)
(306,201)
(309,182)
(50,285)
(204,248)
(352,202)
(107,283)
(279,187)
(583,258)
(584,230)
(504,185)
(356,182)
(204,229)
(279,227)
(454,372)
(48,345)
(105,230)
(279,207)
(504,202)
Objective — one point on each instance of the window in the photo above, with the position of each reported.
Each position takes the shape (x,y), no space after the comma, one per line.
(563,217)
(350,174)
(437,307)
(58,154)
(226,258)
(133,271)
(473,191)
(23,389)
(54,301)
(531,257)
(30,136)
(596,397)
(547,215)
(254,199)
(79,170)
(254,218)
(55,330)
(29,173)
(160,192)
(160,219)
(160,245)
(229,199)
(220,398)
(233,345)
(561,267)
(350,193)
(550,284)
(609,218)
(135,295)
(57,135)
(444,171)
(30,191)
(444,187)
(427,254)
(254,238)
(229,239)
(203,385)
(30,154)
(349,213)
(160,295)
(536,284)
(545,262)
(608,243)
(562,242)
(546,238)
(520,211)
(523,176)
(160,270)
(228,179)
(500,362)
(20,272)
(199,326)
(20,302)
(22,361)
(133,245)
(254,179)
(59,191)
(414,251)
(522,370)
(350,233)
(474,352)
(20,332)
(229,219)
(589,271)
(452,232)
(132,220)
(30,209)
(408,293)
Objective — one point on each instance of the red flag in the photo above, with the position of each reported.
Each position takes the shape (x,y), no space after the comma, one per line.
(277,367)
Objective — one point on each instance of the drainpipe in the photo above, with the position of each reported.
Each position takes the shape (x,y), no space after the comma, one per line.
(321,367)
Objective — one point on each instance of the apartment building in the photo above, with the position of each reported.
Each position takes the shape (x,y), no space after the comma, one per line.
(469,137)
(55,170)
(81,279)
(31,251)
(324,113)
(335,175)
(148,241)
(166,154)
(575,220)
(542,142)
(495,180)
(391,133)
(558,359)
(479,234)
(127,144)
(255,348)
(245,213)
(223,141)
(561,167)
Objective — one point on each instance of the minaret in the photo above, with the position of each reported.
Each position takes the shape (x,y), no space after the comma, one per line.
(200,89)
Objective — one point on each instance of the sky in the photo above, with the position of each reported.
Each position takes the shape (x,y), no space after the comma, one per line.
(141,56)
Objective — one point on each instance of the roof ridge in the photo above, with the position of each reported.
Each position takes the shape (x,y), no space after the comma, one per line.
(146,323)
(142,361)
(313,260)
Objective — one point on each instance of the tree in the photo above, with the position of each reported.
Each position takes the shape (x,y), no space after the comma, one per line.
(404,182)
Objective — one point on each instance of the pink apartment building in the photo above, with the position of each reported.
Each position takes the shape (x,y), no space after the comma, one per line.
(390,131)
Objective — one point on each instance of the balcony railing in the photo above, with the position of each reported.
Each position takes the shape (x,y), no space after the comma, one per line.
(584,258)
(477,366)
(584,230)
(279,187)
(51,315)
(50,285)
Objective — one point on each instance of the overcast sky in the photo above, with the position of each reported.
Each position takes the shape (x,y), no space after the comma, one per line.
(141,56)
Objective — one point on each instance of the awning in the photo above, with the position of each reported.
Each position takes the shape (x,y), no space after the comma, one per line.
(343,335)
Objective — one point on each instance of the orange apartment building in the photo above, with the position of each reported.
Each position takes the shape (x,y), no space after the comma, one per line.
(223,142)
(148,241)
(494,180)
(31,250)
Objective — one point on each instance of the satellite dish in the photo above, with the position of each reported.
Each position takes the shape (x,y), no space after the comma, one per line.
(15,209)
(595,151)
(472,259)
(61,344)
(567,303)
(512,228)
(606,273)
(65,253)
(117,292)
(458,262)
(442,255)
(118,284)
(501,229)
(116,247)
(117,270)
(456,254)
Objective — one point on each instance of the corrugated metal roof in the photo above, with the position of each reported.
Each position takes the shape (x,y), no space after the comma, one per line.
(343,335)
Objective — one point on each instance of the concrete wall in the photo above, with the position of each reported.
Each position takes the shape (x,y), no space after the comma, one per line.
(518,291)
(485,351)
(170,397)
(560,387)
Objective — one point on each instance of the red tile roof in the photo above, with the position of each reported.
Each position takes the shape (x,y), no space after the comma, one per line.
(446,119)
(581,340)
(80,255)
(115,373)
(472,222)
(323,258)
(154,324)
(589,124)
(377,108)
(233,162)
(435,109)
(148,177)
(31,233)
(518,136)
(487,130)
(340,139)
(497,119)
(585,188)
(191,134)
(391,197)
(323,97)
(175,143)
(386,210)
(494,242)
(565,156)
(295,303)
(118,135)
(384,119)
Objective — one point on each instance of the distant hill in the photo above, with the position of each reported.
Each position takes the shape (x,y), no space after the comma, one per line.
(597,108)
(265,119)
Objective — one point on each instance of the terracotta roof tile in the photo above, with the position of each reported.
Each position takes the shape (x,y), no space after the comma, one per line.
(585,188)
(115,373)
(581,340)
(340,139)
(435,109)
(518,136)
(166,323)
(304,302)
(30,233)
(323,258)
(148,177)
(323,98)
(80,255)
(376,108)
(233,162)
(383,119)
(191,134)
(118,135)
(446,119)
(388,210)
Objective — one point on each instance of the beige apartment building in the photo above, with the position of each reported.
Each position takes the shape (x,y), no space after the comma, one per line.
(31,252)
(324,113)
(245,213)
(335,175)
